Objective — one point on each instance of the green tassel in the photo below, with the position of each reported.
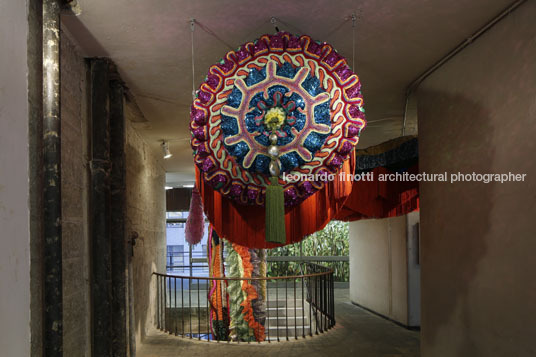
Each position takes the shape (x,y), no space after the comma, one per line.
(275,212)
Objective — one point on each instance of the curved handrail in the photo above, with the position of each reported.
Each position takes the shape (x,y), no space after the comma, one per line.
(330,271)
(311,294)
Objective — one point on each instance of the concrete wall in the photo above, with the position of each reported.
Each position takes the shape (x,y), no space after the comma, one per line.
(477,114)
(14,184)
(379,266)
(145,210)
(146,215)
(74,191)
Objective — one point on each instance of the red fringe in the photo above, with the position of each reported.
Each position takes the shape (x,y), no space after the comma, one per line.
(381,199)
(245,225)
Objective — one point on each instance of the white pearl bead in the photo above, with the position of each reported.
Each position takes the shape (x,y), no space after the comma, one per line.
(274,168)
(273,151)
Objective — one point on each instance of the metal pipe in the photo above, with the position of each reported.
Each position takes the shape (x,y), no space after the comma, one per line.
(415,83)
(405,115)
(198,313)
(208,309)
(277,309)
(100,209)
(182,306)
(295,314)
(286,307)
(52,219)
(268,310)
(131,322)
(176,316)
(118,239)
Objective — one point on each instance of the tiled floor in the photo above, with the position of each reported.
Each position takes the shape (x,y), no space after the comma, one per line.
(357,333)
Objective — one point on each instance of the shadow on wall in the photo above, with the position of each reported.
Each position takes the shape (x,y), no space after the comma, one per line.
(455,217)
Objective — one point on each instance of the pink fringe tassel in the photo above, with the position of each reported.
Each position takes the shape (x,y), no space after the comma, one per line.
(195,224)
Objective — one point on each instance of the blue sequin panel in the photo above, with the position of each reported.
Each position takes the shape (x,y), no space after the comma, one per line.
(276,88)
(290,161)
(322,114)
(228,125)
(239,151)
(251,125)
(300,118)
(312,85)
(234,99)
(260,164)
(255,76)
(286,70)
(314,142)
(257,98)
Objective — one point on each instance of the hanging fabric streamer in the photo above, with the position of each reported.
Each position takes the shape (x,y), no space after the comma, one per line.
(195,223)
(219,322)
(247,299)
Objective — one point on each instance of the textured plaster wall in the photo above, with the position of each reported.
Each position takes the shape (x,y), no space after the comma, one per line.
(378,266)
(146,215)
(14,183)
(74,191)
(477,114)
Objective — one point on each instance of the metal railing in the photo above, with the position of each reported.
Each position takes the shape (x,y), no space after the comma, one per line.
(180,262)
(296,305)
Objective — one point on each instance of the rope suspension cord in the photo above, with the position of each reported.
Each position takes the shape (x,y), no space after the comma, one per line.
(354,18)
(212,33)
(192,30)
(274,19)
(337,28)
(257,30)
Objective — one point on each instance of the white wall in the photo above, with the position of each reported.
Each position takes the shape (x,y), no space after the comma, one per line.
(379,266)
(14,186)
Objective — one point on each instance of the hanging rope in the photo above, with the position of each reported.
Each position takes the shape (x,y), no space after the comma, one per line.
(338,27)
(213,34)
(276,19)
(192,30)
(354,18)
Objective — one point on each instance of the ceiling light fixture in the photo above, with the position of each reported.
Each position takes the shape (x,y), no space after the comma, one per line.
(165,149)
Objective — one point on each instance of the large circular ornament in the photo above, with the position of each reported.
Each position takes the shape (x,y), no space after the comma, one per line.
(282,106)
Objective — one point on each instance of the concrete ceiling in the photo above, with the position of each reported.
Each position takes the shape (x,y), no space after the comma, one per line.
(149,40)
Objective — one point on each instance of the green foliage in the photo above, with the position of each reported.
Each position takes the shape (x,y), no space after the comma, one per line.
(331,241)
